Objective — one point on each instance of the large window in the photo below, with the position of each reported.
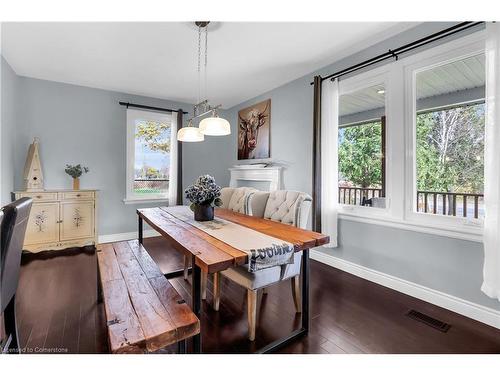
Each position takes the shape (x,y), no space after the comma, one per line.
(411,141)
(449,145)
(150,155)
(361,147)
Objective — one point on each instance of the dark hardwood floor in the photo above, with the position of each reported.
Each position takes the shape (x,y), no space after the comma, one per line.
(57,312)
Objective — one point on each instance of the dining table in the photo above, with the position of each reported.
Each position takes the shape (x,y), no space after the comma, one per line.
(210,255)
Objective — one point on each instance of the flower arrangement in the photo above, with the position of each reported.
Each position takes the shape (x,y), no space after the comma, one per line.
(204,195)
(75,171)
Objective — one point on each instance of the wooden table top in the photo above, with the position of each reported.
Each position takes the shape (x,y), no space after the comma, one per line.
(213,255)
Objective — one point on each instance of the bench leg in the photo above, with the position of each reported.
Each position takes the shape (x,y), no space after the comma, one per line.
(181,347)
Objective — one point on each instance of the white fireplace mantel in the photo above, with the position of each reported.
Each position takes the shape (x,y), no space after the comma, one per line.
(273,175)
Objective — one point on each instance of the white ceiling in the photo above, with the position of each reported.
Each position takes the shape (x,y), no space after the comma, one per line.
(159,59)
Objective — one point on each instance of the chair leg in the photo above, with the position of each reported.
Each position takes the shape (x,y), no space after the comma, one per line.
(217,277)
(204,279)
(252,313)
(186,267)
(296,292)
(11,326)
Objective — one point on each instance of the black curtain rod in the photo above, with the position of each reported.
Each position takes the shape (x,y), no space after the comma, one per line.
(394,53)
(148,107)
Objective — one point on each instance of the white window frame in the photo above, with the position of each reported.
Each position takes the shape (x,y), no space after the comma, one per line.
(398,78)
(132,116)
(347,86)
(437,56)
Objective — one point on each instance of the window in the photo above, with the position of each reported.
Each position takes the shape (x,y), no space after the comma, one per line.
(361,147)
(411,141)
(151,156)
(449,138)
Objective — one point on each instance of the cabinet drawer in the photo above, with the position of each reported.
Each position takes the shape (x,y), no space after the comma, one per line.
(39,196)
(77,195)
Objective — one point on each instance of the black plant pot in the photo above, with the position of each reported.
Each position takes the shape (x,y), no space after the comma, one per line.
(203,212)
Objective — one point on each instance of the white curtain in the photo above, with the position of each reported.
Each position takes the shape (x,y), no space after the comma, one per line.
(329,159)
(172,185)
(491,271)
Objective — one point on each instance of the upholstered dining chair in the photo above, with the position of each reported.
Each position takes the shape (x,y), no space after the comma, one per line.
(288,207)
(13,229)
(235,199)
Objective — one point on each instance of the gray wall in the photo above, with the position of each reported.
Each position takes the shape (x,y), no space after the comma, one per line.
(78,124)
(212,156)
(9,86)
(441,263)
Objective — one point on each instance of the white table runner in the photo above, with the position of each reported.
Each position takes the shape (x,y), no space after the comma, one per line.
(263,251)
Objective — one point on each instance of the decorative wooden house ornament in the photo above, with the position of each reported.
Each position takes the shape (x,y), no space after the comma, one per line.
(33,176)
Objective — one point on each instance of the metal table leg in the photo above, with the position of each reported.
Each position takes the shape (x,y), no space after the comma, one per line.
(305,290)
(140,230)
(196,303)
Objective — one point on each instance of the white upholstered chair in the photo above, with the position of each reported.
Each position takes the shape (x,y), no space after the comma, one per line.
(235,199)
(288,207)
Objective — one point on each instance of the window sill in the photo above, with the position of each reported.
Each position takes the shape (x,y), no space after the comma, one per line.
(463,232)
(144,200)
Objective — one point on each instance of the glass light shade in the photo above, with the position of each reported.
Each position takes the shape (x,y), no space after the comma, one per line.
(190,134)
(215,126)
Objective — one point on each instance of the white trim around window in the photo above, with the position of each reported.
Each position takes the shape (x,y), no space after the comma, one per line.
(132,116)
(437,56)
(398,79)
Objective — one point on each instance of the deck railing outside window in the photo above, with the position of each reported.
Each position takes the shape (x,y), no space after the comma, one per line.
(435,202)
(355,195)
(451,204)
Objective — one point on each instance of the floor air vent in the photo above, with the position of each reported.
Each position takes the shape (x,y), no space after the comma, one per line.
(429,320)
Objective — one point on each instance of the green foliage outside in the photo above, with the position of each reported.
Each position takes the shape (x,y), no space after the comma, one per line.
(449,151)
(360,151)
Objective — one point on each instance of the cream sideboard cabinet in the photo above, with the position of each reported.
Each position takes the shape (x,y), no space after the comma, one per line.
(60,219)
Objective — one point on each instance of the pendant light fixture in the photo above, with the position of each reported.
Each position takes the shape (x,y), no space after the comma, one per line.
(190,133)
(213,125)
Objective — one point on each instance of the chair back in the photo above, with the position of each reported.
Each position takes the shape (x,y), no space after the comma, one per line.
(13,229)
(285,206)
(237,199)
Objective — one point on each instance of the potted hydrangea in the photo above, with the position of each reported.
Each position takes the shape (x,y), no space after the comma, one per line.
(204,195)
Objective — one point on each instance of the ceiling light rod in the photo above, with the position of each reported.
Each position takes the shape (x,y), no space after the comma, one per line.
(213,124)
(205,107)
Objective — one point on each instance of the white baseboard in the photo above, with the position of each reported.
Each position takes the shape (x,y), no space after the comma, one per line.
(106,238)
(470,309)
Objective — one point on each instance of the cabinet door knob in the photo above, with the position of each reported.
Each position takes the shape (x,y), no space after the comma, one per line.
(39,196)
(78,195)
(59,221)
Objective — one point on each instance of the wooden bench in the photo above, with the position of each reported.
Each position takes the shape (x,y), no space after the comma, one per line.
(144,312)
